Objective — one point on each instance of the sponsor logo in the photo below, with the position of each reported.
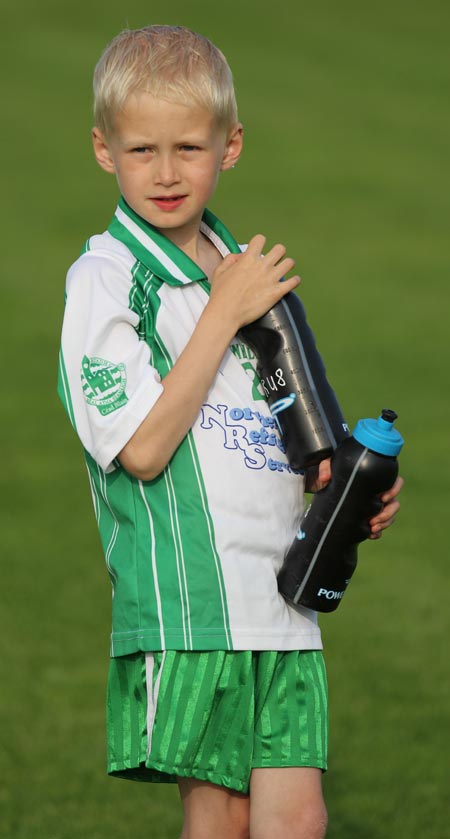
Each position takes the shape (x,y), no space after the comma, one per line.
(250,433)
(330,594)
(103,384)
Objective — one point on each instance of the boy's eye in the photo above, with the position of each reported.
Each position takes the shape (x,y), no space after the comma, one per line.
(141,149)
(187,147)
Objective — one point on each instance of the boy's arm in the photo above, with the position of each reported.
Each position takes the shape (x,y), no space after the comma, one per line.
(243,288)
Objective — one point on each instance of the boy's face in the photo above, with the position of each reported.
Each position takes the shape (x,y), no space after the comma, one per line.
(167,158)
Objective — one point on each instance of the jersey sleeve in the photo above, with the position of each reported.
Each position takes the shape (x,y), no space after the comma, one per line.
(106,381)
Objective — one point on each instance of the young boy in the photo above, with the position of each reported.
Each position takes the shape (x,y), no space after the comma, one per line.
(215,682)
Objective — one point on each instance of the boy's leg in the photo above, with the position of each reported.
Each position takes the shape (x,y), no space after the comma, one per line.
(213,812)
(289,754)
(284,803)
(290,747)
(288,803)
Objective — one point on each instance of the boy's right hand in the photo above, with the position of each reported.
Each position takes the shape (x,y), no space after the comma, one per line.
(245,286)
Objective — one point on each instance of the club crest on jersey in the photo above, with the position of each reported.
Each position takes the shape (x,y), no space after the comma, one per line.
(103,384)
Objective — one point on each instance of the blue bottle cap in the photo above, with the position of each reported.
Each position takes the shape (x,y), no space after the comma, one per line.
(379,435)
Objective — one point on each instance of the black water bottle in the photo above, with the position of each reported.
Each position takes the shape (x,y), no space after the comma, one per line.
(293,376)
(323,557)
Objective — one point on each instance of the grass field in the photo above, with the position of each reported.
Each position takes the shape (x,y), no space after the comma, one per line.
(345,107)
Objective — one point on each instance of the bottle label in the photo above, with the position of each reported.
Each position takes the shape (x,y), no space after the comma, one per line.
(330,594)
(273,382)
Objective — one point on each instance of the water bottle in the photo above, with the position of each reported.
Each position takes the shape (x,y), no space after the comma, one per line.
(293,376)
(323,557)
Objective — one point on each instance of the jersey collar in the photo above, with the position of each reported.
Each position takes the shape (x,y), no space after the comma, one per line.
(158,253)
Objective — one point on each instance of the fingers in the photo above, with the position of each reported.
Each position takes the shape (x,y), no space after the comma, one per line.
(390,508)
(386,515)
(247,285)
(275,254)
(384,519)
(256,244)
(227,263)
(324,472)
(288,284)
(317,477)
(285,265)
(273,257)
(393,491)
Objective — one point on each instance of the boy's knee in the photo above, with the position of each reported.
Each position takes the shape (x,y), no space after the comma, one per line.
(240,829)
(237,818)
(211,811)
(311,823)
(233,825)
(315,825)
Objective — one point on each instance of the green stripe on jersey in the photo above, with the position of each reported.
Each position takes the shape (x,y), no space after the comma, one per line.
(123,522)
(166,580)
(63,390)
(144,300)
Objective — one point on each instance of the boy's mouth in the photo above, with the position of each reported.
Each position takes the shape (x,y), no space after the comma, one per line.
(168,202)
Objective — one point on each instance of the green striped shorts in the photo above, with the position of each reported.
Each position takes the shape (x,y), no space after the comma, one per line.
(216,715)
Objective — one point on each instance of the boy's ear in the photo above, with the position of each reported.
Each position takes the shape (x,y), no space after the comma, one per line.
(233,147)
(102,152)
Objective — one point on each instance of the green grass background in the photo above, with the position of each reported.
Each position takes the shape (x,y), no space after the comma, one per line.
(346,114)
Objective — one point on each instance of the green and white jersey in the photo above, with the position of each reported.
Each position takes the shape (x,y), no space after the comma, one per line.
(192,555)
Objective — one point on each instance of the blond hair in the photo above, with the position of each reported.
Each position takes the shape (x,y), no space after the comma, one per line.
(170,62)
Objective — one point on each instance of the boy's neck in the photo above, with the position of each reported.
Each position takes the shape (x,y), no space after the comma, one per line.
(197,247)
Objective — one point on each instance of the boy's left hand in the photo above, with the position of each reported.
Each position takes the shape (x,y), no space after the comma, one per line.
(387,514)
(317,478)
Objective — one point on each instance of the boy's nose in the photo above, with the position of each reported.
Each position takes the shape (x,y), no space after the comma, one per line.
(166,172)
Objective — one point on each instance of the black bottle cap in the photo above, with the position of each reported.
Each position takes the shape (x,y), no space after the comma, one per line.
(388,415)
